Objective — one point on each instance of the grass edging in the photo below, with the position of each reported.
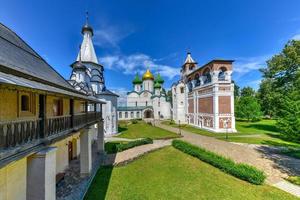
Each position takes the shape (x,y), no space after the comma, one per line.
(118,147)
(241,171)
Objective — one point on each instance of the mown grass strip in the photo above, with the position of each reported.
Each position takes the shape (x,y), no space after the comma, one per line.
(241,171)
(114,147)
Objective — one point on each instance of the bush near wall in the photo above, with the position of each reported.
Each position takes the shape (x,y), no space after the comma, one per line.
(241,171)
(114,147)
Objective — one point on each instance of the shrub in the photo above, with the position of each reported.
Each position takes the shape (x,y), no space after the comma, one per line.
(241,171)
(114,147)
(131,144)
(172,122)
(134,121)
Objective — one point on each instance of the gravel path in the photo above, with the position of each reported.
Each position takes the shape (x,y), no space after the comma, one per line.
(131,154)
(112,139)
(276,166)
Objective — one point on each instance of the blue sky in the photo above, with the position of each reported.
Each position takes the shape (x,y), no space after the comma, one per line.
(133,35)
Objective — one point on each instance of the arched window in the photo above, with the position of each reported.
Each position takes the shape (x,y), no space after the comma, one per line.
(138,114)
(221,75)
(131,115)
(126,114)
(181,89)
(197,80)
(207,76)
(120,114)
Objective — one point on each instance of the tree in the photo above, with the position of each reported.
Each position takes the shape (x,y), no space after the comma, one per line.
(268,98)
(236,90)
(248,108)
(283,75)
(290,122)
(284,67)
(247,92)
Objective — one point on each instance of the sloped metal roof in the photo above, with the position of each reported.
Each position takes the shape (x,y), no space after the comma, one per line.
(133,108)
(108,92)
(22,82)
(16,55)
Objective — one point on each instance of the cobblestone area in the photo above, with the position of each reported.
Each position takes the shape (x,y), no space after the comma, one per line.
(73,186)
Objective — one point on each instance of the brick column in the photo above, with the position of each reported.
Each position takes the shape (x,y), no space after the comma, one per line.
(216,108)
(232,108)
(85,152)
(41,175)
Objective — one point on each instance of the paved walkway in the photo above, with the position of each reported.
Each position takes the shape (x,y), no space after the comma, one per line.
(112,139)
(276,166)
(133,153)
(73,186)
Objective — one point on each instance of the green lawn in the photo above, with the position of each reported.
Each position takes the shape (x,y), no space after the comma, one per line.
(262,132)
(143,130)
(171,174)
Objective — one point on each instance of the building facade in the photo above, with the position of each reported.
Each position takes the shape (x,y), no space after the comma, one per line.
(44,123)
(204,96)
(88,76)
(147,100)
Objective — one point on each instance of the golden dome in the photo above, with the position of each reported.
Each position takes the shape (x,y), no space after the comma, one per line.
(148,75)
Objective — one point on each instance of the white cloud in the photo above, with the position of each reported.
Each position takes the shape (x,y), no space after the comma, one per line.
(110,36)
(296,37)
(243,66)
(122,92)
(138,63)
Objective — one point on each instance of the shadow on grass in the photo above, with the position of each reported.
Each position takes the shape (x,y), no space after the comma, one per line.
(122,129)
(99,186)
(281,144)
(263,127)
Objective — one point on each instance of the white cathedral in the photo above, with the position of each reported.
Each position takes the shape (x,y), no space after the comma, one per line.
(88,76)
(147,100)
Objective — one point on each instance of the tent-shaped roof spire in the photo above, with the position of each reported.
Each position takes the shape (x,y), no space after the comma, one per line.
(87,51)
(189,59)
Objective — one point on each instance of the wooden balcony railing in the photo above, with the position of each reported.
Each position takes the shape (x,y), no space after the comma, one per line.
(14,133)
(58,124)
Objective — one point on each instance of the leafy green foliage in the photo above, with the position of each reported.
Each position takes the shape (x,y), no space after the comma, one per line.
(237,92)
(134,121)
(283,78)
(114,147)
(267,98)
(247,107)
(247,92)
(242,171)
(289,123)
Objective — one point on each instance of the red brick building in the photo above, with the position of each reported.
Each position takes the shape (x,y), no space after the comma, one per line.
(204,97)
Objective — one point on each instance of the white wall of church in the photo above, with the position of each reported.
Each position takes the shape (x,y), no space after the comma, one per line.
(142,99)
(148,85)
(179,102)
(128,115)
